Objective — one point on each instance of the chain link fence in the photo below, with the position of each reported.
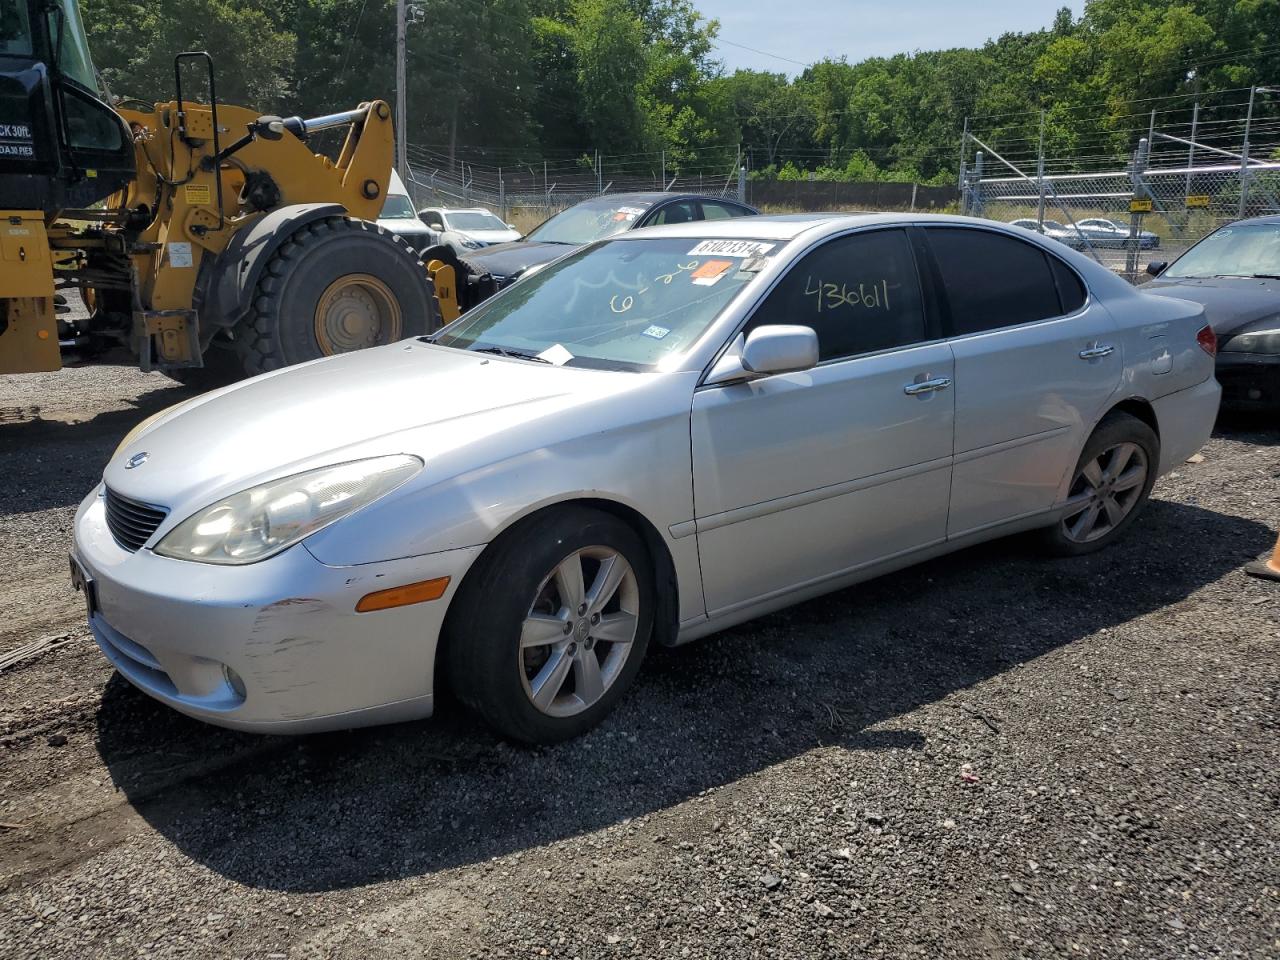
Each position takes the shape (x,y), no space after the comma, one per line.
(516,202)
(1151,208)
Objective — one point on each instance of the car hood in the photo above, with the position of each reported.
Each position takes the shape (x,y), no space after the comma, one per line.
(407,397)
(1229,302)
(512,259)
(415,228)
(491,236)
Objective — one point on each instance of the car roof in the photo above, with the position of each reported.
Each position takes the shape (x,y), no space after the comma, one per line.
(1269,218)
(662,196)
(790,226)
(460,210)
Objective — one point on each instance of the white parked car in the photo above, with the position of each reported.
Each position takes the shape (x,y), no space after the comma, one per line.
(466,230)
(662,434)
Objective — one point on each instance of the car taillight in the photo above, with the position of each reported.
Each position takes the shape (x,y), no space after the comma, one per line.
(1208,340)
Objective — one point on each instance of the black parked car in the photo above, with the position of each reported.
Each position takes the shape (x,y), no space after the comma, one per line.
(1235,273)
(486,271)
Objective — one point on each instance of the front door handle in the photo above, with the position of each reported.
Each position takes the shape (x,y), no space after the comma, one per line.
(926,386)
(1096,350)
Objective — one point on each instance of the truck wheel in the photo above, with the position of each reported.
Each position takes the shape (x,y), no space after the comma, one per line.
(334,286)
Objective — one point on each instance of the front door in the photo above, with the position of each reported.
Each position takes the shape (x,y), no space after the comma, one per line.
(801,477)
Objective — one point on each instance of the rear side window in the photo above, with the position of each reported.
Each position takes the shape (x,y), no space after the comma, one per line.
(860,293)
(1071,293)
(720,211)
(992,280)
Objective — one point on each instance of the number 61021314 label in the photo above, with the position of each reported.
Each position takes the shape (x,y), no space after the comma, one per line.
(731,248)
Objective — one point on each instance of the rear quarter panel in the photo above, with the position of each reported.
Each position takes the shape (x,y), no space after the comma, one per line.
(1159,342)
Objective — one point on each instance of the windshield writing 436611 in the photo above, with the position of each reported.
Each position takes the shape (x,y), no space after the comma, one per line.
(831,296)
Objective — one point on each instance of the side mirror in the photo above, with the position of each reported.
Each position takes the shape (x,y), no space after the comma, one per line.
(777,348)
(1156,267)
(511,226)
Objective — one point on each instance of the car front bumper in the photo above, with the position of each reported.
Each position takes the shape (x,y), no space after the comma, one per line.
(271,647)
(1250,381)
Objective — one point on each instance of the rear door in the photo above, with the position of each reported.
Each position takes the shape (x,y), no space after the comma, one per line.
(803,476)
(1036,360)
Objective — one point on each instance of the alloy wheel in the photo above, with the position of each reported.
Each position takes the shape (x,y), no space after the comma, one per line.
(1104,492)
(579,631)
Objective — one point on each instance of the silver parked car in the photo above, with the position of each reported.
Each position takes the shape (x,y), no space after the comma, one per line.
(664,433)
(1109,234)
(1053,230)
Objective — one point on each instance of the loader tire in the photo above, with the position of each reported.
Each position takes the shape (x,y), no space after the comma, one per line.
(335,285)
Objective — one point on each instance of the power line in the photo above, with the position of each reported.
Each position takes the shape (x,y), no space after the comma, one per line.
(763,53)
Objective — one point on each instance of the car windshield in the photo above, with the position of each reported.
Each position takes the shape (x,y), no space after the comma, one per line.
(1242,250)
(592,220)
(397,207)
(473,220)
(617,305)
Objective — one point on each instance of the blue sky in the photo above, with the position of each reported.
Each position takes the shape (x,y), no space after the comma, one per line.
(808,30)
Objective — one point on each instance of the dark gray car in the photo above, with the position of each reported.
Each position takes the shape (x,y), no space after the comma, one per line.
(486,271)
(1235,273)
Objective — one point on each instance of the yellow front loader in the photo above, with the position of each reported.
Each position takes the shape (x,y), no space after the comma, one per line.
(206,239)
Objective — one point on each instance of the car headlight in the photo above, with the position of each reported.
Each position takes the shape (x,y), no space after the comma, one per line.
(471,244)
(1260,337)
(260,522)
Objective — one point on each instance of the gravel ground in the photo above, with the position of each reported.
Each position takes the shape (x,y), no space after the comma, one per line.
(989,755)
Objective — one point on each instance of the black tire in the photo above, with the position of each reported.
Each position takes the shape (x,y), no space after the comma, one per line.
(486,667)
(1114,431)
(282,329)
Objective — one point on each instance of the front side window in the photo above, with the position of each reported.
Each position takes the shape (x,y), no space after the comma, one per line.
(73,54)
(15,30)
(992,280)
(859,293)
(1241,250)
(591,220)
(616,305)
(681,212)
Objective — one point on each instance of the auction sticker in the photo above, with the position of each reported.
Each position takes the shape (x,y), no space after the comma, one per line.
(710,272)
(656,331)
(731,248)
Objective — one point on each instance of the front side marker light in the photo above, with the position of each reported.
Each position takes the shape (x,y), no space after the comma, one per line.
(418,592)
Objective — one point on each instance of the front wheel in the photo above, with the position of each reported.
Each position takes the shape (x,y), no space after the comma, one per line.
(334,286)
(550,631)
(1110,486)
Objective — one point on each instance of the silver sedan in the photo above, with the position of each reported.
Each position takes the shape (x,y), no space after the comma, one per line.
(660,435)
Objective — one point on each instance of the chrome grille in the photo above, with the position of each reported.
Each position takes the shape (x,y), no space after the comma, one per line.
(131,523)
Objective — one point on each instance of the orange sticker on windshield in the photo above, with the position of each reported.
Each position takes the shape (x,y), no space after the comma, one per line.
(710,272)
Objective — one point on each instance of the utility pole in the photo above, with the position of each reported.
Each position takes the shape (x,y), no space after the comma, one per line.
(408,14)
(1040,175)
(402,148)
(1191,150)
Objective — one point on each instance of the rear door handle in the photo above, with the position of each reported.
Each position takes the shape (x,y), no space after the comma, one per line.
(926,386)
(1096,350)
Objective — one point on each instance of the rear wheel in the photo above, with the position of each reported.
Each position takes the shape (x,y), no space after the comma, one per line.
(334,286)
(550,631)
(1110,486)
